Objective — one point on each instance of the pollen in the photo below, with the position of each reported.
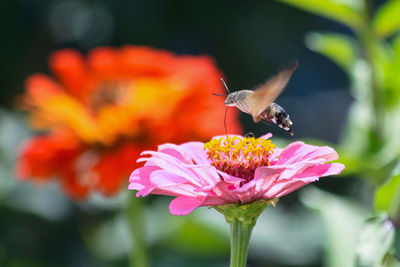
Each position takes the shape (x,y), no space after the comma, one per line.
(239,156)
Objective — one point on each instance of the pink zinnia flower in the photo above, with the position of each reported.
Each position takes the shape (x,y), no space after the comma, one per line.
(230,169)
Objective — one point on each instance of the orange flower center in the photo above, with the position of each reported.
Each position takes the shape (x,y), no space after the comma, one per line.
(108,93)
(239,157)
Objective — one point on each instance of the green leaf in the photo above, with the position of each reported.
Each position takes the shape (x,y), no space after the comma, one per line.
(389,154)
(346,12)
(391,70)
(340,48)
(387,197)
(354,150)
(396,45)
(387,19)
(375,242)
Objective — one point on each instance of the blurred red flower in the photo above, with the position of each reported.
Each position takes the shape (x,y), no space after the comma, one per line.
(103,110)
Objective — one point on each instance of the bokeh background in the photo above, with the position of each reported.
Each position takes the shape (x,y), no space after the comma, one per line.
(250,41)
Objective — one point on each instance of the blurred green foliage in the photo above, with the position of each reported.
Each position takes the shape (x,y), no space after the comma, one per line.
(347,12)
(387,197)
(387,20)
(342,219)
(375,242)
(370,147)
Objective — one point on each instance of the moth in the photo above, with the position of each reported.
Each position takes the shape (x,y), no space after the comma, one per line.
(259,102)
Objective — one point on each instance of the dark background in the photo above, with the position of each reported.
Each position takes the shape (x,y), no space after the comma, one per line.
(250,42)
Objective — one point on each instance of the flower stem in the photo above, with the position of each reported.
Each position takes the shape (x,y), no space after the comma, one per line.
(240,239)
(242,218)
(370,44)
(135,210)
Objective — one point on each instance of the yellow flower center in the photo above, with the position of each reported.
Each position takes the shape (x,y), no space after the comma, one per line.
(239,157)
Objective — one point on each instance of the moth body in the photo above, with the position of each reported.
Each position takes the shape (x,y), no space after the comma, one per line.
(259,102)
(277,115)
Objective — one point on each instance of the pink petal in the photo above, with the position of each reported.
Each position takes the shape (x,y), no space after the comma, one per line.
(208,173)
(140,180)
(175,151)
(224,191)
(290,152)
(172,184)
(298,151)
(249,193)
(275,155)
(214,201)
(265,177)
(229,178)
(320,171)
(284,187)
(183,205)
(196,150)
(142,173)
(190,153)
(298,167)
(266,136)
(135,186)
(172,165)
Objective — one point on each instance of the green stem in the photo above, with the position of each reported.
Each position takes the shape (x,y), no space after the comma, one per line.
(240,239)
(242,218)
(135,215)
(370,45)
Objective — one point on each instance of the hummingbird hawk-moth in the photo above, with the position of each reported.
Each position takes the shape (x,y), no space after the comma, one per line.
(259,102)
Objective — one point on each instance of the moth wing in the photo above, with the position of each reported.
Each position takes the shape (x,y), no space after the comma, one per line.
(267,92)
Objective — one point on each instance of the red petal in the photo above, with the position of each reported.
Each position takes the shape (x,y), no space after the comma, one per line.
(145,61)
(70,68)
(114,168)
(45,156)
(39,86)
(103,62)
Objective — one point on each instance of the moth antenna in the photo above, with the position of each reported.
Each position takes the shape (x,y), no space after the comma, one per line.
(226,109)
(218,94)
(226,87)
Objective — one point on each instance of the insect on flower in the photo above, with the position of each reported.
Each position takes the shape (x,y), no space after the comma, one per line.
(259,102)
